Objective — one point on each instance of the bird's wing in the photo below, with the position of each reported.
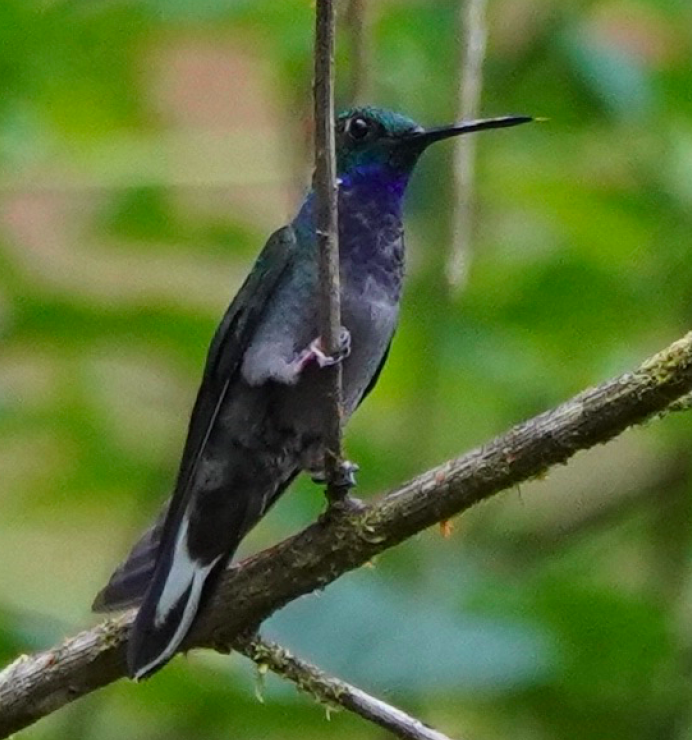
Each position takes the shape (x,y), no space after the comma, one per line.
(373,381)
(129,582)
(228,345)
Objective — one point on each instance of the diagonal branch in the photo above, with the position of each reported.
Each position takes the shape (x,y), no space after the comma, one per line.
(333,691)
(34,686)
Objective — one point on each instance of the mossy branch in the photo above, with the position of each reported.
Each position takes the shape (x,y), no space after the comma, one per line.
(249,592)
(333,692)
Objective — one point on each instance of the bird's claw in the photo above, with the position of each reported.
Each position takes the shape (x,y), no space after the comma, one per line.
(340,501)
(315,353)
(345,475)
(344,478)
(343,351)
(339,487)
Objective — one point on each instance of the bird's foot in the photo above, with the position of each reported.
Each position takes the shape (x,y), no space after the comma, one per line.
(338,490)
(315,353)
(344,478)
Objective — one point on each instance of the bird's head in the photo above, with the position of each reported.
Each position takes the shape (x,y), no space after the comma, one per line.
(369,138)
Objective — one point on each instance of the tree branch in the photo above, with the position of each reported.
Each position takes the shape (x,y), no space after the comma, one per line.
(326,225)
(251,591)
(333,691)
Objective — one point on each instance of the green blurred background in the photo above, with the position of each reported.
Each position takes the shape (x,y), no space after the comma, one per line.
(148,148)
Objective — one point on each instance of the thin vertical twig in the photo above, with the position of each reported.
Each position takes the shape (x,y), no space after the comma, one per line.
(473,22)
(326,224)
(356,23)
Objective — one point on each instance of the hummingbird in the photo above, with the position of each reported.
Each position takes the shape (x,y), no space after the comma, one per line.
(257,420)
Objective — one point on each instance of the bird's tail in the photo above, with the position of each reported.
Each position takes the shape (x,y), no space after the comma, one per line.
(198,538)
(172,601)
(130,581)
(173,567)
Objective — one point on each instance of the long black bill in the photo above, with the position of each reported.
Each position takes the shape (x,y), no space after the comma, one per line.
(430,135)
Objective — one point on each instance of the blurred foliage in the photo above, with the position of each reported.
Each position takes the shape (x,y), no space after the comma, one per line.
(147,148)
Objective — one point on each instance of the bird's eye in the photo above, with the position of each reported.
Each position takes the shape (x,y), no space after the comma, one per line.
(358,128)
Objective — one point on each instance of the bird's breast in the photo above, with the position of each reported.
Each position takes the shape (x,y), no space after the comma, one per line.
(370,314)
